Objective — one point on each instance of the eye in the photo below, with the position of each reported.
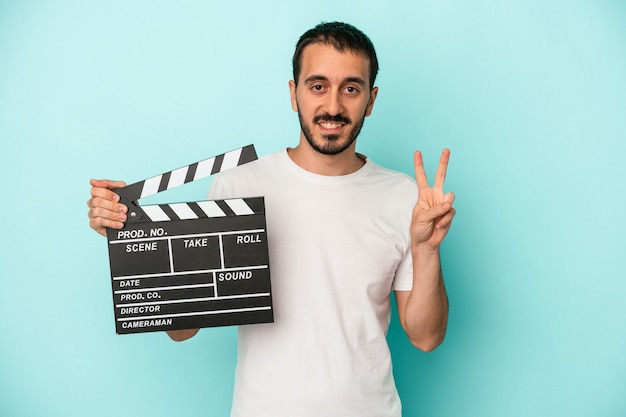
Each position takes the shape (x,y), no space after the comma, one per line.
(350,90)
(317,88)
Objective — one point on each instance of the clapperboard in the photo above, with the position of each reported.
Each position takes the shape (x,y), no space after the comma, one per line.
(190,265)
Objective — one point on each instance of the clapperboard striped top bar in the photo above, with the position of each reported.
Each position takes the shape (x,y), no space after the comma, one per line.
(200,209)
(196,171)
(184,175)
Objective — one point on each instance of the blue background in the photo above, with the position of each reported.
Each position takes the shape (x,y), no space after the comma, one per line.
(529,95)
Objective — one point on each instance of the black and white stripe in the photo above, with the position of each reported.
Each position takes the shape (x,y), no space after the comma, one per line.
(133,192)
(202,209)
(196,171)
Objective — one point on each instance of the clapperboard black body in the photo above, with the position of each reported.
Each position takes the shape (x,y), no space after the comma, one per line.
(190,265)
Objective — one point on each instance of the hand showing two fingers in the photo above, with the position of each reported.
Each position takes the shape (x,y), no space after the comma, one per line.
(433,212)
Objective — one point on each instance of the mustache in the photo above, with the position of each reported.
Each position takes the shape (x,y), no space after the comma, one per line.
(328,118)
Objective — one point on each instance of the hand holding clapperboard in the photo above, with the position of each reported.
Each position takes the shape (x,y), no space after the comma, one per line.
(190,265)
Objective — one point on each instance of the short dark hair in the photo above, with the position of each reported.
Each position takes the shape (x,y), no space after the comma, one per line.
(342,36)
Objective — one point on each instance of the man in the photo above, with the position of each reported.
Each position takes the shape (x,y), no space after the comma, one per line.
(342,233)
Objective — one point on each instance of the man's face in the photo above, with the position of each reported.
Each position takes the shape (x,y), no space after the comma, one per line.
(332,97)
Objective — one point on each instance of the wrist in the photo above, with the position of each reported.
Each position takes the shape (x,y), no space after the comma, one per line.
(424,250)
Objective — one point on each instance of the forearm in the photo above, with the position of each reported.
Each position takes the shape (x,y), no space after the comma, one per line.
(425,309)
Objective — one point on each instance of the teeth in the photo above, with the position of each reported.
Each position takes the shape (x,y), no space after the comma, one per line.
(328,125)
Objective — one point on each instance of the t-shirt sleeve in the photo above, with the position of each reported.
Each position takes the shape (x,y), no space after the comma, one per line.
(403,280)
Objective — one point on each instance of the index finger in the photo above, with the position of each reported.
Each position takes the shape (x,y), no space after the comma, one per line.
(108,184)
(440,175)
(420,174)
(104,189)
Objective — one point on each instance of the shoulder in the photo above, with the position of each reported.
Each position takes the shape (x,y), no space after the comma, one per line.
(395,181)
(248,179)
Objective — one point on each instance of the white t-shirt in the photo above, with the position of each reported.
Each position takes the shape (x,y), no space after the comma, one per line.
(338,245)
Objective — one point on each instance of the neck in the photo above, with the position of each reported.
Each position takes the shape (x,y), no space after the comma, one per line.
(344,163)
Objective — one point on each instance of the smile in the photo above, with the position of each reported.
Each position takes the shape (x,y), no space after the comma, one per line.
(330,125)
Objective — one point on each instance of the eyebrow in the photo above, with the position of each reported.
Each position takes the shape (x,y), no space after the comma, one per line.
(313,78)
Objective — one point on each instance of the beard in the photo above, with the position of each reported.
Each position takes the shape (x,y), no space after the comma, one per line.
(331,144)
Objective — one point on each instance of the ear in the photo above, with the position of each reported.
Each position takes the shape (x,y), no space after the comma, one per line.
(292,93)
(370,104)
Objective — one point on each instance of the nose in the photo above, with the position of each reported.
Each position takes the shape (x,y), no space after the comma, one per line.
(334,104)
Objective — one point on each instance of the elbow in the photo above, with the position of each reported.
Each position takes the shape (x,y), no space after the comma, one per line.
(426,334)
(181,335)
(427,346)
(428,343)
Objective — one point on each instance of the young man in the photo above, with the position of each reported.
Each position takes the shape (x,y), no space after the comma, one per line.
(342,233)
